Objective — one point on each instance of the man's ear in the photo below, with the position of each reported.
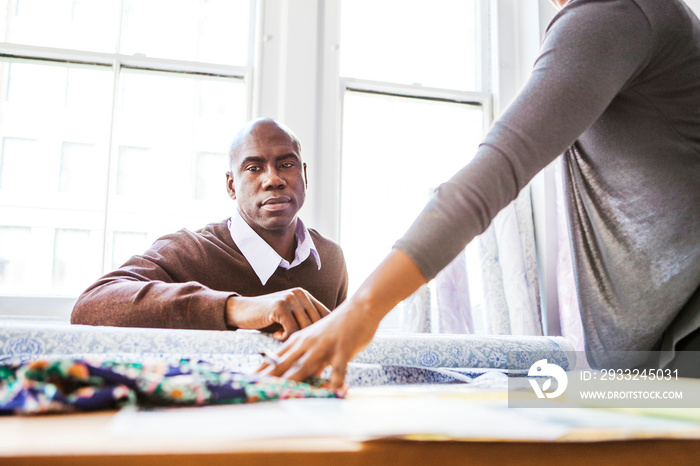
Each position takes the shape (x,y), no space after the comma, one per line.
(230,187)
(306,179)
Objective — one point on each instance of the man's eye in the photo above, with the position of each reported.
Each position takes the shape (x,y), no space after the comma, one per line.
(287,165)
(253,168)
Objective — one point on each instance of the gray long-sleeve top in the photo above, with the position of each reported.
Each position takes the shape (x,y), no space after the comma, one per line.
(617,88)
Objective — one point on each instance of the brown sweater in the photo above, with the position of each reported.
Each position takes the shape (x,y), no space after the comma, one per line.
(185,278)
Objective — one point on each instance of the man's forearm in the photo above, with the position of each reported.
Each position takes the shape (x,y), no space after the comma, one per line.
(131,303)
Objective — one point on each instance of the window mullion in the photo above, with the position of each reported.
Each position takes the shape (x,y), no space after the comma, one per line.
(132,61)
(329,124)
(253,78)
(406,90)
(483,46)
(111,165)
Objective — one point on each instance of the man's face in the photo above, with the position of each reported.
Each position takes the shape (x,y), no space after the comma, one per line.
(268,180)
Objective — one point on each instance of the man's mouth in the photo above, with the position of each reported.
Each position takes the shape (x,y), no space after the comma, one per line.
(276,203)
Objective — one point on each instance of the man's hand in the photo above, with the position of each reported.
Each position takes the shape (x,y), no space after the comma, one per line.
(291,310)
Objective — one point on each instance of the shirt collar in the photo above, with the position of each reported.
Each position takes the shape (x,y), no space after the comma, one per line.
(262,258)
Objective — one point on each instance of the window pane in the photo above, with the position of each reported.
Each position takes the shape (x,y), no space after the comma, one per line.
(79,167)
(175,167)
(15,249)
(55,132)
(214,31)
(410,42)
(211,169)
(219,33)
(91,25)
(36,84)
(18,158)
(389,171)
(76,260)
(41,260)
(135,165)
(126,244)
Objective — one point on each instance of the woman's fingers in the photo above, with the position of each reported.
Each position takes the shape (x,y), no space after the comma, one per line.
(338,374)
(322,310)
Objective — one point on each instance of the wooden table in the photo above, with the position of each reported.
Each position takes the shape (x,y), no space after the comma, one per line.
(82,439)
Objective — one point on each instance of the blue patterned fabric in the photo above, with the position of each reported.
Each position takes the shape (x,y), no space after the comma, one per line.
(466,351)
(390,358)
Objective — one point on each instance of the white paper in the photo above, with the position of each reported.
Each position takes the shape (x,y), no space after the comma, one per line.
(357,418)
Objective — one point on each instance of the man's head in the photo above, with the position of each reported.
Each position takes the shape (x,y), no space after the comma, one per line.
(559,4)
(267,177)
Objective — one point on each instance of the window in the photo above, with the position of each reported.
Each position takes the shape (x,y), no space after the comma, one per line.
(414,109)
(113,134)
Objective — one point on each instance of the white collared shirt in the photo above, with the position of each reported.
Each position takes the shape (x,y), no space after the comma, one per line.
(262,258)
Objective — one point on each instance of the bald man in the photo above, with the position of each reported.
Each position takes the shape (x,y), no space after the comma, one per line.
(260,269)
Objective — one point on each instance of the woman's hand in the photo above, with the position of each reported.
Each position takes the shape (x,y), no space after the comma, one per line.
(333,341)
(336,339)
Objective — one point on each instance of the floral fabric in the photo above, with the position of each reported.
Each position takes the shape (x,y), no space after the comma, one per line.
(68,385)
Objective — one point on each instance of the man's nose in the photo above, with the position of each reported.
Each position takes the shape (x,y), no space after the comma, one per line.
(273,180)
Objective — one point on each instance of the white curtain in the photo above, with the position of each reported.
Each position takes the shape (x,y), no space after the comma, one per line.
(569,316)
(508,301)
